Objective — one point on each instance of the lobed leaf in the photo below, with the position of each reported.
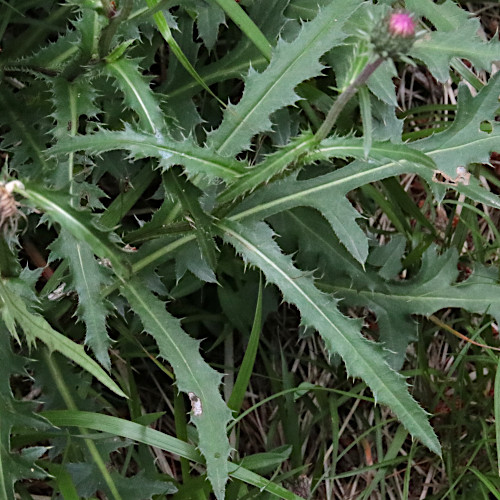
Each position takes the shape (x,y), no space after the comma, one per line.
(87,278)
(270,20)
(15,311)
(266,92)
(57,206)
(163,27)
(52,56)
(464,142)
(435,287)
(168,151)
(71,99)
(273,165)
(461,143)
(209,17)
(138,95)
(193,376)
(456,36)
(341,335)
(393,300)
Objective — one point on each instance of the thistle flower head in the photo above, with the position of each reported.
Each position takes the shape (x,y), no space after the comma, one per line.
(393,35)
(401,24)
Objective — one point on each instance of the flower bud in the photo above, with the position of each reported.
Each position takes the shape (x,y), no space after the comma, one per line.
(394,35)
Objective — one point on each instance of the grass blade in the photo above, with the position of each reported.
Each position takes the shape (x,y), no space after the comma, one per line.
(164,29)
(241,19)
(246,368)
(152,437)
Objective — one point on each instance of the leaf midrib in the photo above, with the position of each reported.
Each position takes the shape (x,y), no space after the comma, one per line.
(405,297)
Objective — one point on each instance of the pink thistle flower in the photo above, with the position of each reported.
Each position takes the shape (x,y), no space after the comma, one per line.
(402,24)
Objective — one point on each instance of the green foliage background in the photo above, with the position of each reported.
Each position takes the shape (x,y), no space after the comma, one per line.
(165,147)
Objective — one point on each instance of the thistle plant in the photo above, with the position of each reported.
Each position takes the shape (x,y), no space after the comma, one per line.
(178,170)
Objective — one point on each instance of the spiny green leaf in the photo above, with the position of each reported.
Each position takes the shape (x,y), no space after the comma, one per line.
(188,195)
(170,152)
(332,203)
(35,326)
(190,258)
(35,34)
(137,93)
(118,52)
(71,99)
(464,142)
(273,89)
(327,194)
(461,143)
(393,301)
(299,149)
(288,193)
(341,334)
(54,55)
(456,36)
(380,83)
(304,9)
(434,287)
(193,376)
(270,20)
(164,29)
(87,278)
(273,165)
(447,16)
(437,49)
(89,26)
(180,86)
(57,207)
(353,147)
(210,17)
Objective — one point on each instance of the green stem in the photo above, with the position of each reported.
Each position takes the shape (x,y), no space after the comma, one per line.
(110,30)
(344,98)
